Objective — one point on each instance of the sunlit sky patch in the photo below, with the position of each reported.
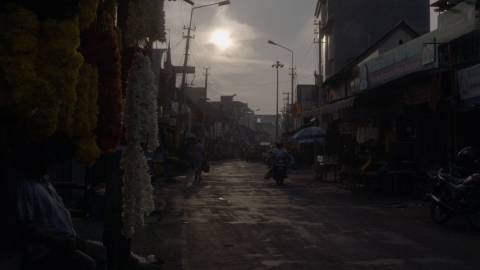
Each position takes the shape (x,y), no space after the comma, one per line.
(221,38)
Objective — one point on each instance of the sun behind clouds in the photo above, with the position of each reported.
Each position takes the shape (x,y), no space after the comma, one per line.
(221,39)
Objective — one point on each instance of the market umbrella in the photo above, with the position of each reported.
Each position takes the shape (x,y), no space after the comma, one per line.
(310,135)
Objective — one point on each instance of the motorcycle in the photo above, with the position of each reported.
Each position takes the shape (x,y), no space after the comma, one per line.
(454,196)
(279,171)
(278,167)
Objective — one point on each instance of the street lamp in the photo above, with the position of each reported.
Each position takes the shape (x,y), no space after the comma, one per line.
(187,45)
(277,65)
(292,70)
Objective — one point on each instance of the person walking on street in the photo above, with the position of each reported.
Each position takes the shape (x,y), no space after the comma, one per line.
(197,155)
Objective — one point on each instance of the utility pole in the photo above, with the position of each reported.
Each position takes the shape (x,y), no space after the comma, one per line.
(187,45)
(292,72)
(185,61)
(286,101)
(292,94)
(206,81)
(277,66)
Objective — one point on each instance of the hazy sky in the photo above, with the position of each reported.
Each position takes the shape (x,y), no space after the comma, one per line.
(245,68)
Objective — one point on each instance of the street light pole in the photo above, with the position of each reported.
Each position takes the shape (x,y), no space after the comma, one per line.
(292,69)
(187,47)
(277,65)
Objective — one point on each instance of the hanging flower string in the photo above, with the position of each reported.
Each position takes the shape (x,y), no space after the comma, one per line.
(141,135)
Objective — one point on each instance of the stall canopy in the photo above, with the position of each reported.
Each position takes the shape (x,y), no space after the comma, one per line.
(310,135)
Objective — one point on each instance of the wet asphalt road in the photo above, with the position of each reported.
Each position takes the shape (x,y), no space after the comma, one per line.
(236,220)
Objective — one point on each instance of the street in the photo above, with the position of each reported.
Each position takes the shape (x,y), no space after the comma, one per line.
(234,219)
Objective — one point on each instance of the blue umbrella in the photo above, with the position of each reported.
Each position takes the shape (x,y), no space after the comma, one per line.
(310,135)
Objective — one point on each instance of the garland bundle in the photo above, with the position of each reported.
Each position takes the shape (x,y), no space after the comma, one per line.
(101,49)
(141,128)
(146,20)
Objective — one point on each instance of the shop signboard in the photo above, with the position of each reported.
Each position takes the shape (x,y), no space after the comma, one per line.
(469,83)
(414,56)
(429,53)
(421,53)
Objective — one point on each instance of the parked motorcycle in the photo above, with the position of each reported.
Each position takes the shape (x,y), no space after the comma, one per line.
(454,196)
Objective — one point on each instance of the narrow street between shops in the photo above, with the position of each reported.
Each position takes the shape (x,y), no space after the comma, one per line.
(234,219)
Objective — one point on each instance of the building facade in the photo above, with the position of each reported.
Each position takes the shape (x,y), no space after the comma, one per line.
(346,28)
(411,107)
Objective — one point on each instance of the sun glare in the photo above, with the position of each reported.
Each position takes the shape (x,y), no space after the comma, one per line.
(221,39)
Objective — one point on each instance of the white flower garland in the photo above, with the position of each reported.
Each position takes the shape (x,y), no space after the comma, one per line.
(142,135)
(137,189)
(141,116)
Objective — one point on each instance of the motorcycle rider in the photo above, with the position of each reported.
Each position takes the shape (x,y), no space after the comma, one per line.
(467,162)
(278,154)
(457,192)
(467,168)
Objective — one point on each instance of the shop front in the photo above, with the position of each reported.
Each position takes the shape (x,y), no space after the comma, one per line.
(468,109)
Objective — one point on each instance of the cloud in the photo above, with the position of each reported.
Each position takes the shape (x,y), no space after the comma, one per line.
(246,67)
(241,53)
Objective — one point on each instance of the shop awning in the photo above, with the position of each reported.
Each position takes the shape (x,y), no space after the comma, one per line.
(331,108)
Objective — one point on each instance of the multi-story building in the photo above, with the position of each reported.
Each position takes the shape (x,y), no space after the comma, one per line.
(308,99)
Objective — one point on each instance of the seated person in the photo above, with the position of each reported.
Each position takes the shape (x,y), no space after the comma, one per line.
(50,240)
